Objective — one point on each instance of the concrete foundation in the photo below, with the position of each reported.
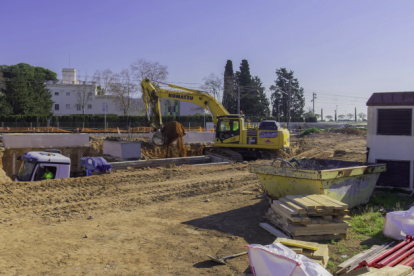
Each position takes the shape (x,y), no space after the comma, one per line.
(194,137)
(123,150)
(50,140)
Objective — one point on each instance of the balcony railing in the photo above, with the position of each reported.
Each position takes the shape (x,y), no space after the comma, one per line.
(61,82)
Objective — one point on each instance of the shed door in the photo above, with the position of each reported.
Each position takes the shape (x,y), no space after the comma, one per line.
(397,174)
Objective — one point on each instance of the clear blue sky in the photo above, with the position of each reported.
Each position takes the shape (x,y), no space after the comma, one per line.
(346,48)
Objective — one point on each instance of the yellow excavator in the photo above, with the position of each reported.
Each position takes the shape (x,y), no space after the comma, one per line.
(234,139)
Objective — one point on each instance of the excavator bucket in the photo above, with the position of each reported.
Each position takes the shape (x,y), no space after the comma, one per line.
(158,138)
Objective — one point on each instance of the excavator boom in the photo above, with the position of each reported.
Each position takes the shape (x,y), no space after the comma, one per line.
(151,96)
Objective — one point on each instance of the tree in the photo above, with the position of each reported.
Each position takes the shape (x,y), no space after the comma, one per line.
(281,99)
(350,116)
(142,69)
(213,85)
(229,94)
(84,95)
(362,116)
(5,108)
(328,117)
(103,80)
(25,91)
(253,100)
(123,87)
(341,117)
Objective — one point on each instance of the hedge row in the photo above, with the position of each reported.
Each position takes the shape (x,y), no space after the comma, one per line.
(141,120)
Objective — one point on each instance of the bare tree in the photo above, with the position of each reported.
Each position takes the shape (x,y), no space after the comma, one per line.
(341,117)
(103,79)
(84,95)
(123,87)
(213,85)
(142,69)
(350,116)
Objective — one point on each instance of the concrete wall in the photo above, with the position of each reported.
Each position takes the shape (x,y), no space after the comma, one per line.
(389,147)
(194,137)
(124,150)
(45,140)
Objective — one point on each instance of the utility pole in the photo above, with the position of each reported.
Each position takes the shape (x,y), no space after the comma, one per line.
(289,100)
(336,110)
(313,100)
(355,115)
(321,114)
(278,110)
(238,99)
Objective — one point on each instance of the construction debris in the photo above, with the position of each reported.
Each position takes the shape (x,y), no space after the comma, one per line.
(310,217)
(397,260)
(319,255)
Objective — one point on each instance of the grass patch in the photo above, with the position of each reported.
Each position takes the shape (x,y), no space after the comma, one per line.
(310,130)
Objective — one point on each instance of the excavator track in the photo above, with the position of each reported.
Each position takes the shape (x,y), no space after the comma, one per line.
(223,153)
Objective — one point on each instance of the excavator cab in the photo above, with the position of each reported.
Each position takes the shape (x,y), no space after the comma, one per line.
(228,129)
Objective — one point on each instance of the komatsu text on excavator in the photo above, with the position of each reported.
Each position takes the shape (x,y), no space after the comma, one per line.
(235,139)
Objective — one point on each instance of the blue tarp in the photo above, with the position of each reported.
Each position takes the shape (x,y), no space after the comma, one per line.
(97,164)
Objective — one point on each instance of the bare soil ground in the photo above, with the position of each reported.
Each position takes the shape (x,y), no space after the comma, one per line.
(159,221)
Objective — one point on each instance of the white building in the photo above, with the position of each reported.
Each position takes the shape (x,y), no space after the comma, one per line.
(64,95)
(179,108)
(390,137)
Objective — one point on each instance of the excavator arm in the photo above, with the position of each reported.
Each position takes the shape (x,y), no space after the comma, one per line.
(151,97)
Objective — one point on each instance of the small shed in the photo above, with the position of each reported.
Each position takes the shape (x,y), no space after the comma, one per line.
(390,137)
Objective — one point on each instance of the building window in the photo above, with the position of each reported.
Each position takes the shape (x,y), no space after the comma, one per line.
(394,121)
(105,107)
(68,106)
(396,175)
(90,94)
(56,106)
(78,107)
(67,93)
(89,106)
(56,93)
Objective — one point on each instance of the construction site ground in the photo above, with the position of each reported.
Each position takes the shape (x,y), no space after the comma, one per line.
(151,221)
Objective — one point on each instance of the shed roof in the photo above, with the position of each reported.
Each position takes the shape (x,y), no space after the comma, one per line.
(391,98)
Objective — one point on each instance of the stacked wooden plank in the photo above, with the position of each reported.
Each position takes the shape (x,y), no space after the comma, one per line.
(320,256)
(310,217)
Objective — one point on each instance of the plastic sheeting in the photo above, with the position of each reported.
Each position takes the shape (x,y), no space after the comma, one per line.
(279,260)
(97,164)
(399,224)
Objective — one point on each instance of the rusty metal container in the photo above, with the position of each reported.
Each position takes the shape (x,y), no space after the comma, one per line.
(349,182)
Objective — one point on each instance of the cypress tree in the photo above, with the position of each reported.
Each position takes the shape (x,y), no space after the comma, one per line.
(229,96)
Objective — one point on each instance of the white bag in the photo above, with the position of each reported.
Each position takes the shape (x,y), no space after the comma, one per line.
(279,260)
(399,224)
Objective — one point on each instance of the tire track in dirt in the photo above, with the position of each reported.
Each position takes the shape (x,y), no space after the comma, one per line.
(65,197)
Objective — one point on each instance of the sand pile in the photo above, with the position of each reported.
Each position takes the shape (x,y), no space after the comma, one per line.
(173,133)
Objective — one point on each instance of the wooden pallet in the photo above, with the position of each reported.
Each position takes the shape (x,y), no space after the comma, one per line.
(310,217)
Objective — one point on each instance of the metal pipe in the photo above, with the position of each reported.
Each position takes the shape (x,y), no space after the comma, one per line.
(395,254)
(388,252)
(409,261)
(401,258)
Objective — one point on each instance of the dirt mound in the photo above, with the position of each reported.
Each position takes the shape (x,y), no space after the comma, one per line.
(173,133)
(3,177)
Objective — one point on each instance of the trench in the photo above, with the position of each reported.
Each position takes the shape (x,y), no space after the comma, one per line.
(9,165)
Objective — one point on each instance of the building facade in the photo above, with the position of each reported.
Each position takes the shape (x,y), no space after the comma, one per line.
(390,137)
(70,94)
